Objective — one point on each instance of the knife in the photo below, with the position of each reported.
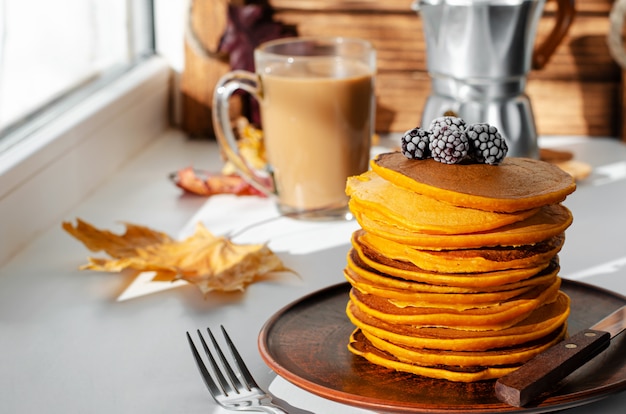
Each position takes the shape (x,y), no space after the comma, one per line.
(545,370)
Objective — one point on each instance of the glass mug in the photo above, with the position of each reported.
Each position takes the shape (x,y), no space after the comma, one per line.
(316,99)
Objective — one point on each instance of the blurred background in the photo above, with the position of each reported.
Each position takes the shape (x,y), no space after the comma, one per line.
(53,54)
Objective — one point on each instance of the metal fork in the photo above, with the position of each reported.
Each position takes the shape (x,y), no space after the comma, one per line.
(234,389)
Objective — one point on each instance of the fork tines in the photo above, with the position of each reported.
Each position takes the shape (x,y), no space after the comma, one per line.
(239,378)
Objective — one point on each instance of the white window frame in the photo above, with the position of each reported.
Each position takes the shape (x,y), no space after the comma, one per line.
(44,176)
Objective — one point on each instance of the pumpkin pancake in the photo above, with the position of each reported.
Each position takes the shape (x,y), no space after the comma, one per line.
(408,271)
(549,221)
(456,301)
(497,317)
(364,274)
(380,200)
(454,271)
(515,184)
(360,345)
(466,260)
(433,357)
(540,323)
(374,355)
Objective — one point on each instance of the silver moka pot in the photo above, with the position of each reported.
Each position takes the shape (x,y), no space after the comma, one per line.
(479,53)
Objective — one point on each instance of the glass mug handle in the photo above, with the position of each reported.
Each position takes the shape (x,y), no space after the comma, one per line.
(226,86)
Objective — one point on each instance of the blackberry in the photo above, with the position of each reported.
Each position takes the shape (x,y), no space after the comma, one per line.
(486,144)
(448,121)
(448,144)
(415,144)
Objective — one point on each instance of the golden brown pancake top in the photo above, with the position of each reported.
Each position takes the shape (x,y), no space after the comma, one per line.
(514,185)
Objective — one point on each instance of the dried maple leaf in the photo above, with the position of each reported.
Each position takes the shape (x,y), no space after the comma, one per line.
(207,184)
(188,180)
(252,150)
(115,245)
(250,144)
(208,261)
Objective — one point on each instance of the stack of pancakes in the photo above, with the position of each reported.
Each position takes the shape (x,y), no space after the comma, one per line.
(454,271)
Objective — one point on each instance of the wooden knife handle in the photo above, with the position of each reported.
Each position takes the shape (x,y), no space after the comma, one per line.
(545,370)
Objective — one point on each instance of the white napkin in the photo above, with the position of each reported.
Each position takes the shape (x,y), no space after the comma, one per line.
(256,220)
(309,403)
(295,400)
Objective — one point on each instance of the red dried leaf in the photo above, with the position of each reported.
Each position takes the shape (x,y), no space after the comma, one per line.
(206,184)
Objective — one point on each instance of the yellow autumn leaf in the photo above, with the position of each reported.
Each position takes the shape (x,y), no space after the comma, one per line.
(115,245)
(250,144)
(208,261)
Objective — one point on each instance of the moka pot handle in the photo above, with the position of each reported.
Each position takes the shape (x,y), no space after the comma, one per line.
(564,17)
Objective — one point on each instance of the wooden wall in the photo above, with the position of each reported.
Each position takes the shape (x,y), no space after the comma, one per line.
(577,93)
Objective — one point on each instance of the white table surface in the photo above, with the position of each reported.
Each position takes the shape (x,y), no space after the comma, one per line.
(76,341)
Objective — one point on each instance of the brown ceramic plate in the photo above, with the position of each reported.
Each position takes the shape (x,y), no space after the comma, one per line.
(306,343)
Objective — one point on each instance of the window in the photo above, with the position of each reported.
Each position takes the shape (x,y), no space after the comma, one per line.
(54,53)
